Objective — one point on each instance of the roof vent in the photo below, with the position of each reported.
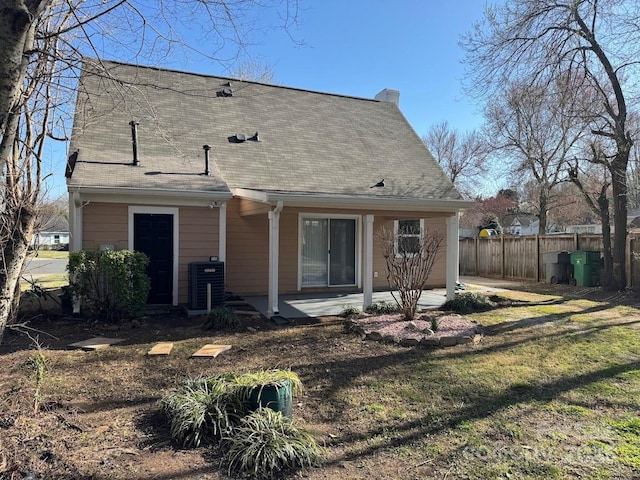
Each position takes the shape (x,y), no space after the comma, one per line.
(240,137)
(134,141)
(227,90)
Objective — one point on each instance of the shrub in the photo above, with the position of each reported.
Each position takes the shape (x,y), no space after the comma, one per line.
(435,324)
(409,255)
(468,302)
(382,308)
(266,443)
(221,318)
(39,364)
(350,312)
(114,284)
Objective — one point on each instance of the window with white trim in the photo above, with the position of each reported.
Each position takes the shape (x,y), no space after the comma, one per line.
(408,234)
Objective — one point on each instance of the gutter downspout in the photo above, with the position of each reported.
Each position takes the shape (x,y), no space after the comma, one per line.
(452,256)
(274,247)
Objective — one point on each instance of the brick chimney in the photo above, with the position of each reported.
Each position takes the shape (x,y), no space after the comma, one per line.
(389,95)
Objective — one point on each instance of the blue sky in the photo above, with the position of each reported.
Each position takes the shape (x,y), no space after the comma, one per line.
(358,48)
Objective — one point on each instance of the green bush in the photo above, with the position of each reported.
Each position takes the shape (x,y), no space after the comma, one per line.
(221,318)
(382,308)
(113,284)
(266,444)
(350,312)
(468,302)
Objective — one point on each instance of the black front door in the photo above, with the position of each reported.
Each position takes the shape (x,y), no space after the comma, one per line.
(153,236)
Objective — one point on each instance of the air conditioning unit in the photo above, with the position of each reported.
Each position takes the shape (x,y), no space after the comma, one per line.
(202,274)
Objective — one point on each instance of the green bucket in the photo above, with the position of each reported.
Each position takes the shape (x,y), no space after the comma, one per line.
(277,397)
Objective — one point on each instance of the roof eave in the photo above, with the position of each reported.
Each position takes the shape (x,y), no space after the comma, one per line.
(366,202)
(126,194)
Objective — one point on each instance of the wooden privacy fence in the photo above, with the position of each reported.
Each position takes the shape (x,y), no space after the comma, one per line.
(521,257)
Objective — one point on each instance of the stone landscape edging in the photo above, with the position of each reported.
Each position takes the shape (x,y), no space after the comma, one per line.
(426,340)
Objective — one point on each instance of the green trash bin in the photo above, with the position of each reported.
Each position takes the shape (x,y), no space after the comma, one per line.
(586,268)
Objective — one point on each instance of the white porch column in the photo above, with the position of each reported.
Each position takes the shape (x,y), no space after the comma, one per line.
(452,264)
(274,246)
(75,242)
(367,270)
(222,232)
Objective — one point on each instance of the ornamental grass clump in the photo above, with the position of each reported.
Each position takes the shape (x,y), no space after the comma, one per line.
(266,444)
(203,409)
(221,318)
(468,302)
(382,308)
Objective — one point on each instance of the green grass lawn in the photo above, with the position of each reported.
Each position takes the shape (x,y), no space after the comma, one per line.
(51,254)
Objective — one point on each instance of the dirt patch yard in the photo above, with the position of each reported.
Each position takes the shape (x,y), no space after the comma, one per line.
(551,391)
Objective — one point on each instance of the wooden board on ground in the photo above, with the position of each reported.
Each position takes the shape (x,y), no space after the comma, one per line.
(162,348)
(96,343)
(246,312)
(211,350)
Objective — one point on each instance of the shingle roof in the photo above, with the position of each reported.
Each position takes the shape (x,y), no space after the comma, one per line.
(309,142)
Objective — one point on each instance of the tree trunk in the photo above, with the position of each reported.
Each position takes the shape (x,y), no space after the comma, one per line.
(542,214)
(16,38)
(15,253)
(606,279)
(619,186)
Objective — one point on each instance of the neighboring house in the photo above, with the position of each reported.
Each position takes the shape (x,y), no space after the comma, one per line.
(52,236)
(520,224)
(288,187)
(591,228)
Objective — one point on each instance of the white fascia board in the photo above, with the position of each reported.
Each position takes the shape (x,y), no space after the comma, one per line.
(150,197)
(377,203)
(255,195)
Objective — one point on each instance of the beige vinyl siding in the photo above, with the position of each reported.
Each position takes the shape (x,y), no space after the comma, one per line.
(248,245)
(199,240)
(108,223)
(438,274)
(105,224)
(249,207)
(247,264)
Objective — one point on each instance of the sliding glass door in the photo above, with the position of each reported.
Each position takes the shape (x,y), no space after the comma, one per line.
(328,253)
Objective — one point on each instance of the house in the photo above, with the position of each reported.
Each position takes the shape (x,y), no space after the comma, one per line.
(53,236)
(589,228)
(520,224)
(288,187)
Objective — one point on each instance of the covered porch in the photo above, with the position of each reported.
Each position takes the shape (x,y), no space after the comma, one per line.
(316,242)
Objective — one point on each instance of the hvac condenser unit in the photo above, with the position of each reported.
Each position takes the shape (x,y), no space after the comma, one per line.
(201,275)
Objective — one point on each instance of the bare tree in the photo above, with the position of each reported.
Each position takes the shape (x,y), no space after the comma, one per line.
(42,44)
(463,156)
(409,258)
(596,196)
(255,71)
(536,127)
(594,46)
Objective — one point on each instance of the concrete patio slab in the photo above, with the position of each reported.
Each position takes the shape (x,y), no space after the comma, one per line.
(320,305)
